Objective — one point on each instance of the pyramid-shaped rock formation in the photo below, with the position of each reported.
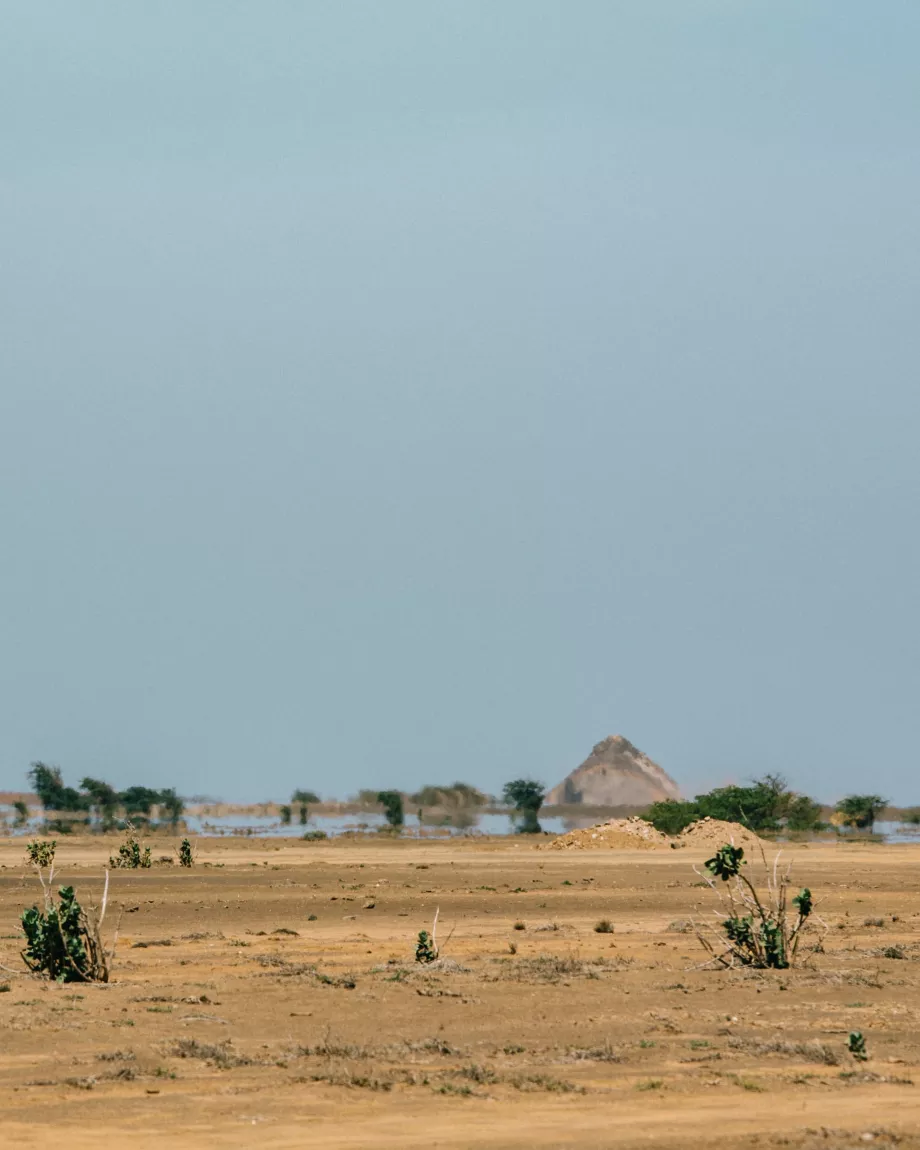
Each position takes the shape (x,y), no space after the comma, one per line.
(615,774)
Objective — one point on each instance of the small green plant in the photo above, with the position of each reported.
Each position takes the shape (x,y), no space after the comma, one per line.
(760,931)
(186,857)
(64,941)
(604,926)
(425,949)
(856,1045)
(131,856)
(41,853)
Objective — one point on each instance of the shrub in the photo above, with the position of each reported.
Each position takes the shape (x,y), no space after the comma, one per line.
(313,836)
(301,799)
(526,796)
(41,854)
(22,812)
(53,795)
(860,811)
(605,926)
(670,816)
(856,1045)
(760,931)
(284,812)
(63,941)
(186,857)
(130,854)
(425,949)
(392,802)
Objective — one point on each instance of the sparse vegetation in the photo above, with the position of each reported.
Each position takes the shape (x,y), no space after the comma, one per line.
(130,855)
(302,799)
(604,926)
(766,805)
(64,941)
(856,1045)
(186,856)
(759,931)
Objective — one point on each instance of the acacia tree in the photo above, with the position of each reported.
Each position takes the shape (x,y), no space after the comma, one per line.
(526,796)
(103,800)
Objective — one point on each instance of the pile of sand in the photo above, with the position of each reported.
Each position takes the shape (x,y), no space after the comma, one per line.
(618,834)
(716,833)
(637,834)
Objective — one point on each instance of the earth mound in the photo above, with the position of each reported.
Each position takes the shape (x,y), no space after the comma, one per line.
(617,834)
(615,774)
(716,833)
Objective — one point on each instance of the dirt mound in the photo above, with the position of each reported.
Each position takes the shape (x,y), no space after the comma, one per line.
(618,834)
(716,833)
(615,774)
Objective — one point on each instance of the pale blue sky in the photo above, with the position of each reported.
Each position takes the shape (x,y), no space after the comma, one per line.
(394,393)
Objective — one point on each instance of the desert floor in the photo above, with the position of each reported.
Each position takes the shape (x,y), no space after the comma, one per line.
(236,1018)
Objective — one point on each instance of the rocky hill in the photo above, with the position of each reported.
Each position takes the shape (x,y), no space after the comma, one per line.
(615,774)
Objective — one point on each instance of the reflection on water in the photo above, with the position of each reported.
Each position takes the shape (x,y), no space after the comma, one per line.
(368,822)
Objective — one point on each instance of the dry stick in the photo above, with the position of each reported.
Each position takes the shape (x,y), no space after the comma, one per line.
(434,932)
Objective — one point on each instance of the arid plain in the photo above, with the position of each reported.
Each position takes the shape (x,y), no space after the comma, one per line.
(269,996)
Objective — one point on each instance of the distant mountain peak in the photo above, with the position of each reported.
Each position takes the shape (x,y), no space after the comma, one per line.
(616,773)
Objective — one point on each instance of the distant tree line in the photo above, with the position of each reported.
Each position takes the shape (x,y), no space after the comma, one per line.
(767,805)
(101,800)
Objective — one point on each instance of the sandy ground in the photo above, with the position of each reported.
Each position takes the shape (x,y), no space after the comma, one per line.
(234,1019)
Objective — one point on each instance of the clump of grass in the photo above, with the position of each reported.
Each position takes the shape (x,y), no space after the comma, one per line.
(222,1055)
(650,1084)
(519,925)
(809,1051)
(603,926)
(878,922)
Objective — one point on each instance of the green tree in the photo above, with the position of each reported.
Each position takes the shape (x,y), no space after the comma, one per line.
(284,813)
(860,811)
(139,801)
(526,796)
(302,798)
(53,795)
(803,814)
(392,802)
(103,800)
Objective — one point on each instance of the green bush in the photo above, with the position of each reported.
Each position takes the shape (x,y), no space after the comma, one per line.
(41,854)
(671,816)
(130,855)
(425,950)
(186,857)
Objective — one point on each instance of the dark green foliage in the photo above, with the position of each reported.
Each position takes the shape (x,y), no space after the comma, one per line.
(41,853)
(726,862)
(171,805)
(860,811)
(302,798)
(22,812)
(670,816)
(186,857)
(56,939)
(284,813)
(139,800)
(313,836)
(526,796)
(803,902)
(766,805)
(425,950)
(856,1045)
(130,855)
(103,800)
(392,802)
(803,814)
(53,795)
